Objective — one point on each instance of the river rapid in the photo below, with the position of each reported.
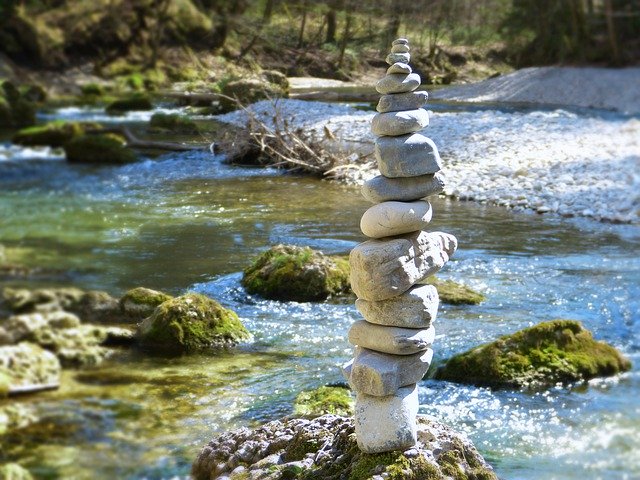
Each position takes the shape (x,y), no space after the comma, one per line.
(187,221)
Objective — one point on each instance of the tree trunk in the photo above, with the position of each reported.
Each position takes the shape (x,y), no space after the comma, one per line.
(332,25)
(346,33)
(303,24)
(611,32)
(268,11)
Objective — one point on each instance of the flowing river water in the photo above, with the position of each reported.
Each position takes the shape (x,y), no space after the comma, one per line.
(187,222)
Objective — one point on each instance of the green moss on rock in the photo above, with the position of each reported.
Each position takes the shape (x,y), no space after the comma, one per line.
(172,122)
(288,272)
(138,303)
(191,322)
(455,293)
(13,471)
(102,148)
(54,134)
(138,102)
(539,356)
(323,400)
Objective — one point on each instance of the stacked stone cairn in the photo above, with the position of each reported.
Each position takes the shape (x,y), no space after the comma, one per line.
(393,342)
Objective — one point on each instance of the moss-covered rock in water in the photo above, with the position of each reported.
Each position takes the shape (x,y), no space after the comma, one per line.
(248,90)
(54,134)
(27,367)
(289,448)
(455,293)
(13,471)
(323,400)
(191,322)
(172,122)
(138,102)
(138,303)
(22,300)
(539,356)
(102,148)
(288,272)
(96,306)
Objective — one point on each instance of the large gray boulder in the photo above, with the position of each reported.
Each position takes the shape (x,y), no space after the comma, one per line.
(325,447)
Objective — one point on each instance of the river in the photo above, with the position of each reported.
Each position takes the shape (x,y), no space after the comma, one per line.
(187,221)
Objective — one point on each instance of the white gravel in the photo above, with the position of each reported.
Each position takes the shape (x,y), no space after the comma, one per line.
(548,161)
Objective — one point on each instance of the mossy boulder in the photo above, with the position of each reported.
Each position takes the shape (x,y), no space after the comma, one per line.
(325,448)
(26,368)
(101,149)
(172,122)
(558,351)
(54,134)
(189,323)
(327,399)
(13,471)
(23,300)
(288,272)
(16,110)
(455,293)
(138,303)
(138,102)
(96,306)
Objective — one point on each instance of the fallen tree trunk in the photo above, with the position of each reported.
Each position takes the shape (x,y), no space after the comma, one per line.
(135,142)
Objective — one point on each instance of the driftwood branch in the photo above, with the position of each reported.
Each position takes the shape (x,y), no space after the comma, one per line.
(39,387)
(135,142)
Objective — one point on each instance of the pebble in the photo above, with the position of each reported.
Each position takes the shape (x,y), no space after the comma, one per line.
(399,68)
(400,41)
(398,83)
(387,423)
(381,374)
(409,155)
(402,101)
(392,340)
(399,123)
(398,58)
(381,188)
(395,218)
(400,48)
(416,308)
(385,269)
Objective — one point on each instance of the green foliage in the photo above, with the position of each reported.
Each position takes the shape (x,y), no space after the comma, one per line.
(92,89)
(191,322)
(323,400)
(101,149)
(539,356)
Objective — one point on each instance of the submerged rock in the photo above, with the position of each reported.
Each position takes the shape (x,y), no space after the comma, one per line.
(101,148)
(536,357)
(27,368)
(172,122)
(22,300)
(191,322)
(455,293)
(138,303)
(325,448)
(96,306)
(327,399)
(288,272)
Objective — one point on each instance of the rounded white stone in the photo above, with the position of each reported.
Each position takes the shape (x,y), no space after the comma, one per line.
(403,189)
(400,123)
(415,308)
(398,83)
(400,48)
(402,101)
(399,68)
(398,58)
(406,155)
(400,41)
(395,218)
(393,340)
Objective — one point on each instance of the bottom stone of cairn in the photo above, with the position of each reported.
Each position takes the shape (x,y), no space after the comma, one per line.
(387,423)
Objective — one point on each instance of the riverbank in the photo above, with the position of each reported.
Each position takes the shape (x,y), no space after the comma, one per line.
(564,161)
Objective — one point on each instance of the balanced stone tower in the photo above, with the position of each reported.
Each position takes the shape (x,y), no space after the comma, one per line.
(393,342)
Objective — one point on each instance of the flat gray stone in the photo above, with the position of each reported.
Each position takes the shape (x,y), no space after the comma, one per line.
(400,48)
(400,41)
(382,374)
(385,424)
(381,188)
(383,269)
(398,58)
(402,101)
(415,308)
(409,155)
(398,83)
(393,340)
(400,123)
(387,219)
(399,68)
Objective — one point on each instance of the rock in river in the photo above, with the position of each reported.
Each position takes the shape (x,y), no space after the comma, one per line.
(27,368)
(410,155)
(400,123)
(325,448)
(403,189)
(536,357)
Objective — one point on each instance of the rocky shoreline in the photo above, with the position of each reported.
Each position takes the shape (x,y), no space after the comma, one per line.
(547,161)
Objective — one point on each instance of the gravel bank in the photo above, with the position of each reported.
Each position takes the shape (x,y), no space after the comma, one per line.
(552,161)
(605,88)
